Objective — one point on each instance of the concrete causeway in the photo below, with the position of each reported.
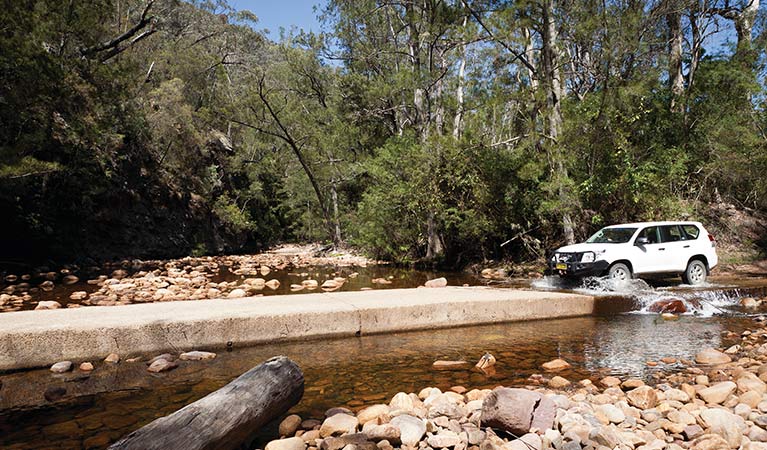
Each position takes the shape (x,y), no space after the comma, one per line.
(39,338)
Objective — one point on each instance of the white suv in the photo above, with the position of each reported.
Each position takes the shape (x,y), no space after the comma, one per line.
(638,249)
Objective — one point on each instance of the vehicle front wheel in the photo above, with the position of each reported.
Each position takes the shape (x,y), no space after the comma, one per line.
(696,273)
(620,273)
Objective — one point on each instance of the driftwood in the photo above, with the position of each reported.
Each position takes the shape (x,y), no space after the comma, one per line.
(228,417)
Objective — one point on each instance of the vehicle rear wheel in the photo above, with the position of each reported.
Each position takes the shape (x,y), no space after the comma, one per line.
(620,273)
(696,273)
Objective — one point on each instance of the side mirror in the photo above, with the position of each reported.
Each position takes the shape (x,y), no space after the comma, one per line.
(642,240)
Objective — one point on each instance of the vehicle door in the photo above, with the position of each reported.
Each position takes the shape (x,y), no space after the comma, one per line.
(673,251)
(646,257)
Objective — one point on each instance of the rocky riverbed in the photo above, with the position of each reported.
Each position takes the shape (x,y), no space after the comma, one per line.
(717,402)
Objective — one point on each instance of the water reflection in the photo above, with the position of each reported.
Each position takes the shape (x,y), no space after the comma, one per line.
(97,409)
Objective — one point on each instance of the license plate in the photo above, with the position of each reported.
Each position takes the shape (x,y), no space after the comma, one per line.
(561,266)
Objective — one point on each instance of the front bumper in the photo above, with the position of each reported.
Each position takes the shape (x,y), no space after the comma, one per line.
(578,269)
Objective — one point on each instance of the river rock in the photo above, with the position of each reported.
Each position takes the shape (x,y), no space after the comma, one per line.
(61,367)
(162,365)
(718,392)
(692,431)
(436,283)
(677,395)
(710,442)
(48,305)
(611,412)
(411,429)
(69,280)
(338,410)
(310,284)
(237,293)
(292,443)
(556,365)
(338,424)
(712,356)
(401,402)
(643,397)
(385,432)
(486,361)
(750,382)
(86,367)
(165,356)
(289,425)
(373,413)
(78,295)
(610,381)
(672,306)
(558,382)
(112,358)
(749,302)
(196,355)
(273,284)
(725,424)
(357,441)
(440,364)
(444,439)
(517,411)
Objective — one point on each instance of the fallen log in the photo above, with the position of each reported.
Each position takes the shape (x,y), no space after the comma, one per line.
(228,417)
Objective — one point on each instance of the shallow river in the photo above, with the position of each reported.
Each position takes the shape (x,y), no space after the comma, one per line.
(42,410)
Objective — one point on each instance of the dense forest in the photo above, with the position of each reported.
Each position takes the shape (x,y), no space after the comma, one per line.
(416,130)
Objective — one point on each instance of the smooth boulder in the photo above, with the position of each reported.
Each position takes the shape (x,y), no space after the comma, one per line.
(518,411)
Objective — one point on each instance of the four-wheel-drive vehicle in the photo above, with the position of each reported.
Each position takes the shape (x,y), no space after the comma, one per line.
(641,249)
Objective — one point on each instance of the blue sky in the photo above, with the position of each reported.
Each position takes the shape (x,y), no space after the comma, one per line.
(275,14)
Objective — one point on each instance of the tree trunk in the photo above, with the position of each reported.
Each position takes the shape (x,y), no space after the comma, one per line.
(337,240)
(744,25)
(458,120)
(228,417)
(675,78)
(550,58)
(434,246)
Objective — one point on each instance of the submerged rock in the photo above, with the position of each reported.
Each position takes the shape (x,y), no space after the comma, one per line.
(673,306)
(61,367)
(162,365)
(556,365)
(196,355)
(712,356)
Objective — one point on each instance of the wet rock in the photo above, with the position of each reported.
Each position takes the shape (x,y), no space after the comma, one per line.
(338,410)
(162,365)
(380,281)
(48,305)
(712,356)
(672,306)
(61,367)
(86,367)
(338,424)
(331,284)
(610,382)
(196,355)
(54,393)
(436,283)
(718,392)
(556,365)
(289,425)
(292,443)
(518,410)
(373,413)
(724,424)
(47,286)
(165,356)
(440,364)
(749,302)
(273,284)
(310,424)
(643,397)
(310,284)
(112,358)
(487,360)
(69,280)
(412,429)
(296,287)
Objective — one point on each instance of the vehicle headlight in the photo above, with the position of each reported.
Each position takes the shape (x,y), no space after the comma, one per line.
(588,257)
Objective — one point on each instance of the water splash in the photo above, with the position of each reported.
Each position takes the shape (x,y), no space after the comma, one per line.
(704,300)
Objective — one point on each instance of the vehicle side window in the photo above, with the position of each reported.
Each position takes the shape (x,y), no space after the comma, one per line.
(670,233)
(651,233)
(690,231)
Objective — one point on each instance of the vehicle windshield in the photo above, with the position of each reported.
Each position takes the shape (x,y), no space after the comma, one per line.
(611,236)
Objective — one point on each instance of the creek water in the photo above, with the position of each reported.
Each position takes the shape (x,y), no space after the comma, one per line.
(75,410)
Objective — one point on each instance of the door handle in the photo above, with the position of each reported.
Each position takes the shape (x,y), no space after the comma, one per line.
(661,249)
(686,246)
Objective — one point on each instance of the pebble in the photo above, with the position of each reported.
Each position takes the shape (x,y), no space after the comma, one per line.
(196,356)
(112,358)
(86,367)
(61,367)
